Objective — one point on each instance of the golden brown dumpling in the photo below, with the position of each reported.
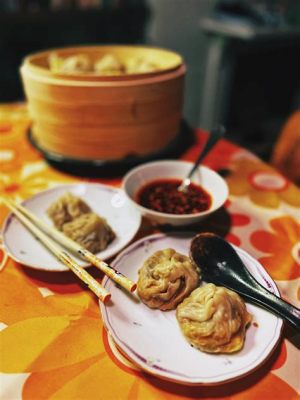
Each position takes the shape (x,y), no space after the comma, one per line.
(79,63)
(90,231)
(165,279)
(214,319)
(140,65)
(109,65)
(67,208)
(55,62)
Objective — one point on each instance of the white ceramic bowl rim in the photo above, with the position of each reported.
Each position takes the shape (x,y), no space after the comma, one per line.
(161,214)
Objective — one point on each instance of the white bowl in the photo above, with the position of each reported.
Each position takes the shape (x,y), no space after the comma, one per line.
(208,179)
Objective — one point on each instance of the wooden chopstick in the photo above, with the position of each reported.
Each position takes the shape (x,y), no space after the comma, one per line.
(115,275)
(62,256)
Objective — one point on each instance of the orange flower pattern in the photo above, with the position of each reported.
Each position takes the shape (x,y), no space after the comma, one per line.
(51,325)
(282,246)
(264,186)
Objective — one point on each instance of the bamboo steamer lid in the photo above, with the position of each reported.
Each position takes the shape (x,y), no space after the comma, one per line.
(104,118)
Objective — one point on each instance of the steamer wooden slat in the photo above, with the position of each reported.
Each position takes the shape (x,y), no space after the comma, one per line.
(83,144)
(130,113)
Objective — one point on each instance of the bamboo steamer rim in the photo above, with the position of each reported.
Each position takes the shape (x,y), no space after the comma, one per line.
(168,59)
(27,72)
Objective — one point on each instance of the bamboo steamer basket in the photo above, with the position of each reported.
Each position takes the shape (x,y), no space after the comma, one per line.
(92,117)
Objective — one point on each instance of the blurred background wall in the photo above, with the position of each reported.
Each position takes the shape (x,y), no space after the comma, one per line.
(175,24)
(243,61)
(242,56)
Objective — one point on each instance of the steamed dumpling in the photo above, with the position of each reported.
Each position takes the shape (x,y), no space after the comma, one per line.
(109,65)
(140,65)
(75,219)
(90,231)
(79,63)
(66,209)
(214,319)
(165,279)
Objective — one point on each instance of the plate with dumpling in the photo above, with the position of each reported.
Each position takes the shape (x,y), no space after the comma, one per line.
(180,328)
(96,216)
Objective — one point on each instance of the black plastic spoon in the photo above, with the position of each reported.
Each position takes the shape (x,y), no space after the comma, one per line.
(221,265)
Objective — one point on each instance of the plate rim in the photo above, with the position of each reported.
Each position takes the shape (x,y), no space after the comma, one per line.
(10,217)
(269,350)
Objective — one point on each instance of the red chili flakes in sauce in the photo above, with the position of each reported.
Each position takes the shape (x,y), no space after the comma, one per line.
(162,195)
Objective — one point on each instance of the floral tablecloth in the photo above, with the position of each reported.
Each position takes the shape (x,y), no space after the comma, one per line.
(53,343)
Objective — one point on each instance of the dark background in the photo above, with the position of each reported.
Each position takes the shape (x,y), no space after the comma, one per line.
(33,26)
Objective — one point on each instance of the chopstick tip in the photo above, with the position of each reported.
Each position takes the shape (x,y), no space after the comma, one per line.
(106,298)
(133,287)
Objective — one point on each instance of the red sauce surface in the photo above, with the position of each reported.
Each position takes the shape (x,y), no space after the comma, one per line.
(162,195)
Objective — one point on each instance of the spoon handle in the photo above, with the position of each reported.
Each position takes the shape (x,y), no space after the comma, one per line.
(260,295)
(214,136)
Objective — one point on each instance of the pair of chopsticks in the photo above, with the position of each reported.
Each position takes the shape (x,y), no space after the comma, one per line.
(40,229)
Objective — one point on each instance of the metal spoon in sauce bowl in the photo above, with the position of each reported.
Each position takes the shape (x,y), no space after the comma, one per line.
(215,135)
(221,265)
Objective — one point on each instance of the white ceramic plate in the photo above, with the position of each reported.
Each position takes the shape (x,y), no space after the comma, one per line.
(105,201)
(152,338)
